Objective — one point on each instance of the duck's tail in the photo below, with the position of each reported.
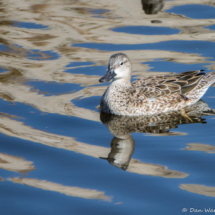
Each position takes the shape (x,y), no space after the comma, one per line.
(208,80)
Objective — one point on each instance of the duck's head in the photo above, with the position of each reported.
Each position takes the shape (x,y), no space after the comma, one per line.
(119,67)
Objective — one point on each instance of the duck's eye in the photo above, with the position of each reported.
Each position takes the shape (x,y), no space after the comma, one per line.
(121,63)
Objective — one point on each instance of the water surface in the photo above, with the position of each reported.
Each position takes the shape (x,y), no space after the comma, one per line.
(146,30)
(58,154)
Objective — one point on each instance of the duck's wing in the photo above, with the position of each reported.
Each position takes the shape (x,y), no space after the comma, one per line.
(162,85)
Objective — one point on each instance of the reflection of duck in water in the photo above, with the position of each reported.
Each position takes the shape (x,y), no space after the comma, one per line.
(153,94)
(152,6)
(121,152)
(122,145)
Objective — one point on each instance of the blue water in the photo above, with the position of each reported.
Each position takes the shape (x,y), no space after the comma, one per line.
(2,46)
(32,54)
(169,66)
(2,70)
(146,30)
(204,48)
(53,88)
(211,27)
(87,102)
(194,11)
(74,64)
(29,25)
(64,146)
(37,55)
(98,13)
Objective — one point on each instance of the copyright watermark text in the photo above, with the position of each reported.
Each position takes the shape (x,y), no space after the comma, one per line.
(198,210)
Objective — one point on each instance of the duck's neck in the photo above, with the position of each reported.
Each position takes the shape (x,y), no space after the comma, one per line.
(122,82)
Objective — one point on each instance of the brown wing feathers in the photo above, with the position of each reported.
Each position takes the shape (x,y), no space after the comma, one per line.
(188,80)
(162,85)
(184,82)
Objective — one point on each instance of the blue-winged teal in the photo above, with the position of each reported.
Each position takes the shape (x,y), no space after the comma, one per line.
(153,94)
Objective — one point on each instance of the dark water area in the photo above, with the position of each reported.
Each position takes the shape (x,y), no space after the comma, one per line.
(61,155)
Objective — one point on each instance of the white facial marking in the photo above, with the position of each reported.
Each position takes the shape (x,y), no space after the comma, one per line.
(120,73)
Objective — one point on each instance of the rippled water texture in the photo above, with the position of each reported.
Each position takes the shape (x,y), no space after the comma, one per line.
(58,155)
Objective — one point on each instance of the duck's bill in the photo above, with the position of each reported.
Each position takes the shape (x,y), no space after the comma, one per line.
(107,159)
(109,75)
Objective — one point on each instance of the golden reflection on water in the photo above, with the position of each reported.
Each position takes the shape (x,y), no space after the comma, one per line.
(13,163)
(72,22)
(199,189)
(200,147)
(67,190)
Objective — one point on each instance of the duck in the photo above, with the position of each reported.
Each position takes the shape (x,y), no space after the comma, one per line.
(152,94)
